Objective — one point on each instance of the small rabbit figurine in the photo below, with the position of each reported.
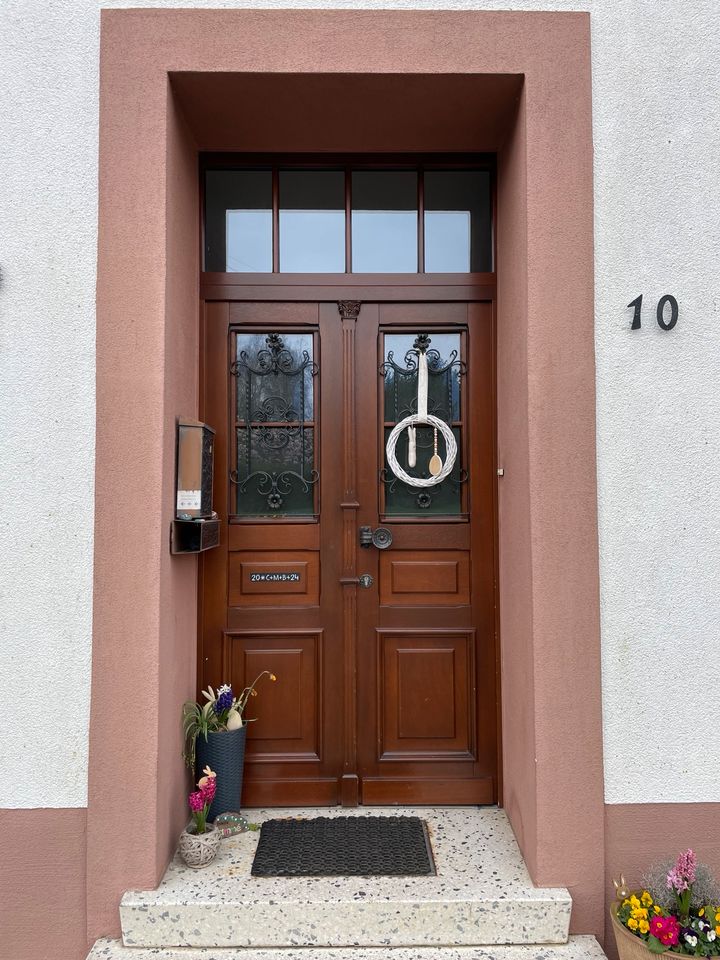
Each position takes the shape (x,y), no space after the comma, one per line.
(622,891)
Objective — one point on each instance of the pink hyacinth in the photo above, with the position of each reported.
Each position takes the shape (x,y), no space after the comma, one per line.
(682,874)
(197,801)
(208,789)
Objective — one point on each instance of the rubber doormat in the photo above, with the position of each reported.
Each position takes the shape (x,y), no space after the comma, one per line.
(344,847)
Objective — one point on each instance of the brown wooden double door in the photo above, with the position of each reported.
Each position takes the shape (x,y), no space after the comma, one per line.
(385,655)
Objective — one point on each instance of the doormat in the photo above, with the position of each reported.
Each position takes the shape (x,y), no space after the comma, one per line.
(344,847)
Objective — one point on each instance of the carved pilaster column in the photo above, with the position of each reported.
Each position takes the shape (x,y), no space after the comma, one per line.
(350,792)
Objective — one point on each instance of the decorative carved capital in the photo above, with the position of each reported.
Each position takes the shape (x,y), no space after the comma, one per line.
(349,309)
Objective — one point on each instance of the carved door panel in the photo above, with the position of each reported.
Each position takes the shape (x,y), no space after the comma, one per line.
(385,692)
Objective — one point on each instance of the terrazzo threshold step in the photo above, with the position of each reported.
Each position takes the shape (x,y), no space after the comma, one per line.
(481,894)
(577,948)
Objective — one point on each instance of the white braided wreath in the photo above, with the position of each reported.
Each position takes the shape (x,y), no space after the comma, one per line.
(450,450)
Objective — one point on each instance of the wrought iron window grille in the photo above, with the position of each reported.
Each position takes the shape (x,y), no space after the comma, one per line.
(408,369)
(274,423)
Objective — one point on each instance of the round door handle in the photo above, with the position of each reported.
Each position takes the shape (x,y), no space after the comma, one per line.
(382,538)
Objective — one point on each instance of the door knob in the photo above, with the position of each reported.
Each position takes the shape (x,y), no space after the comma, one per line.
(381,537)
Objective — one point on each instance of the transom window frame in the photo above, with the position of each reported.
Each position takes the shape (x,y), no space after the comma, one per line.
(348,163)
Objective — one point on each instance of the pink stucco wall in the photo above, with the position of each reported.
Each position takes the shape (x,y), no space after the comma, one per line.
(144,627)
(42,884)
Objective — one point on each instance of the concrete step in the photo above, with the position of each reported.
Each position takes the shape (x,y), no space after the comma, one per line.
(577,948)
(482,894)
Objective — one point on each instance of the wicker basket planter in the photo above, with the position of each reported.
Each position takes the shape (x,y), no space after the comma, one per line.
(198,850)
(223,752)
(631,947)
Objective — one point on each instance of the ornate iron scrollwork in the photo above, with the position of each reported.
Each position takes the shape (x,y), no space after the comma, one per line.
(440,407)
(272,486)
(274,423)
(275,358)
(424,499)
(435,363)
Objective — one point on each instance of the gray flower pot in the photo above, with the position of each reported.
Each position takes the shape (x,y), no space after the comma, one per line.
(223,752)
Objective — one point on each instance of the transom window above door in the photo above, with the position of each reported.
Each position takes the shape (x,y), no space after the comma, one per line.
(348,218)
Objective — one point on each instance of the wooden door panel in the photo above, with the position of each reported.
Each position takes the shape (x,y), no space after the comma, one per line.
(257,536)
(450,534)
(426,695)
(448,790)
(274,578)
(425,578)
(286,714)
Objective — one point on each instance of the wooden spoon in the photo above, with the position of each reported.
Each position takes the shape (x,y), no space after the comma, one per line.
(436,464)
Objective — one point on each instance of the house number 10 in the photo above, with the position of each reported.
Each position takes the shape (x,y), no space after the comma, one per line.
(665,322)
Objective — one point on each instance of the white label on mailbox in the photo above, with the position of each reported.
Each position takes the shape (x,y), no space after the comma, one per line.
(188,499)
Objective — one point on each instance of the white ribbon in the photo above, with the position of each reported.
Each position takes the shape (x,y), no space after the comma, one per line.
(422,387)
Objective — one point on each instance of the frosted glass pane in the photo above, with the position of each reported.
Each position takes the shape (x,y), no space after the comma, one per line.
(384,241)
(312,221)
(238,221)
(458,221)
(384,221)
(447,241)
(248,241)
(312,241)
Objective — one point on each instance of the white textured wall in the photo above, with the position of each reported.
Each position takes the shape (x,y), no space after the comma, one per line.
(657,129)
(48,237)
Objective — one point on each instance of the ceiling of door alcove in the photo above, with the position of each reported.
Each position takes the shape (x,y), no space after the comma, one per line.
(348,112)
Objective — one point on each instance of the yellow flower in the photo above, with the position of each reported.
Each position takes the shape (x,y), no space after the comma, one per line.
(646,899)
(701,912)
(644,926)
(717,916)
(717,928)
(633,923)
(657,909)
(634,902)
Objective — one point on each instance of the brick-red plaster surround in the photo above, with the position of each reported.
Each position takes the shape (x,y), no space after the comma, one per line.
(42,884)
(147,371)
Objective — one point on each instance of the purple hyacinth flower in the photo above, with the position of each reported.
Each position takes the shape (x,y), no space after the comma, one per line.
(224,700)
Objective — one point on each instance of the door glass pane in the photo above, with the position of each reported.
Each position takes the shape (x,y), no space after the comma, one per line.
(458,232)
(384,221)
(312,221)
(399,370)
(238,221)
(275,473)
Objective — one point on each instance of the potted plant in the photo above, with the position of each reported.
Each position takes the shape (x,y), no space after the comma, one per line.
(677,912)
(215,735)
(199,840)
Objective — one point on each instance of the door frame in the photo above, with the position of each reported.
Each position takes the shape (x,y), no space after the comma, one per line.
(339,288)
(522,82)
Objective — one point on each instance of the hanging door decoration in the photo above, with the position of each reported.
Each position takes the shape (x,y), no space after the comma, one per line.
(422,397)
(275,425)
